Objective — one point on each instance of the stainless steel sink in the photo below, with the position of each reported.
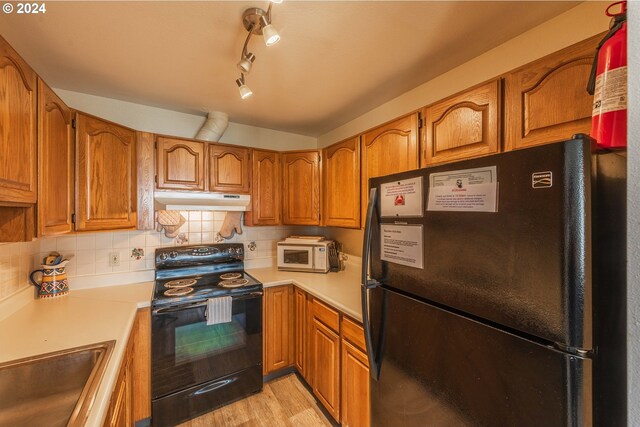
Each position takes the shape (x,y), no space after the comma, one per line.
(54,389)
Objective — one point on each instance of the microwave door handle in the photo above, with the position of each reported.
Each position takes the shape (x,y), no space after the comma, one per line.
(367,284)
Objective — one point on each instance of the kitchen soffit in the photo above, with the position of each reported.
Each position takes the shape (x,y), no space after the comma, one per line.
(336,60)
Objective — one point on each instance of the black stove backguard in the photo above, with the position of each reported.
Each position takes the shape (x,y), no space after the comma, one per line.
(199,255)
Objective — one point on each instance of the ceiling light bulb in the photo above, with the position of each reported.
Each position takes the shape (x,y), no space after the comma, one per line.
(245,63)
(269,33)
(276,1)
(244,90)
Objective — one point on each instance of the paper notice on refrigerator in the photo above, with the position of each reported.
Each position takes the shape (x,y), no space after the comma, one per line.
(401,198)
(469,190)
(402,244)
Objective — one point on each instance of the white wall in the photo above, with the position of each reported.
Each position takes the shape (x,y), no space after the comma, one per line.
(578,23)
(633,219)
(168,122)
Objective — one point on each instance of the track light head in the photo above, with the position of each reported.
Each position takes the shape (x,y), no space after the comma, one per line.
(244,90)
(258,21)
(244,65)
(269,33)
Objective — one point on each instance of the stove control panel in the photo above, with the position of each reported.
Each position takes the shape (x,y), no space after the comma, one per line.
(198,255)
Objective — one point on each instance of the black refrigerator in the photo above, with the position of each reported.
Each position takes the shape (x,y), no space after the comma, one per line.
(494,290)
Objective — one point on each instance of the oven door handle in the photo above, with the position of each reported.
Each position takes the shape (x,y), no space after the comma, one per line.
(214,386)
(197,304)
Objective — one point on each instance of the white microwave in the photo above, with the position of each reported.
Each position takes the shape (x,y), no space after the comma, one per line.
(296,254)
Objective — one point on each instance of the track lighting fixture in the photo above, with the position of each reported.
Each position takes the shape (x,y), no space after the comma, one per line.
(244,90)
(270,34)
(255,21)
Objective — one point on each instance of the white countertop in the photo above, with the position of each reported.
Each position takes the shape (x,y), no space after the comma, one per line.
(36,326)
(83,317)
(340,290)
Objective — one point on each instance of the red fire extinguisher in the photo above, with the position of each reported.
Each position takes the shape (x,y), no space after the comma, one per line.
(608,83)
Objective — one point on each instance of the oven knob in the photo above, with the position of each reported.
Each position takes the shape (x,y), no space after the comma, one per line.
(163,256)
(173,254)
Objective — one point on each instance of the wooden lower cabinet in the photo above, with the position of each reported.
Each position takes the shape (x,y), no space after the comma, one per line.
(120,413)
(329,351)
(324,355)
(325,344)
(355,376)
(278,328)
(131,397)
(142,365)
(300,330)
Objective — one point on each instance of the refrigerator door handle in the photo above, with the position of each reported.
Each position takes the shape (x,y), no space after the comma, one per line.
(367,283)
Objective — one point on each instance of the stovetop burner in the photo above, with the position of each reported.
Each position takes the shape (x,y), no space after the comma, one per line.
(178,292)
(233,283)
(230,276)
(181,283)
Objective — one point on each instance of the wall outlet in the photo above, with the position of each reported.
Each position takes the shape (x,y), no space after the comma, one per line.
(114,259)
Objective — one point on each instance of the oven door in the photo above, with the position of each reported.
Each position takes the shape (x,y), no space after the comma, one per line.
(295,257)
(187,352)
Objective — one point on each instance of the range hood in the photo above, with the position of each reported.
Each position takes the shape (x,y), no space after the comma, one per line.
(190,201)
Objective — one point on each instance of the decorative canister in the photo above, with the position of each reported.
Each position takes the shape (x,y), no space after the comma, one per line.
(54,280)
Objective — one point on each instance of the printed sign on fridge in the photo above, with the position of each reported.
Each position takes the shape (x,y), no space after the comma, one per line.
(402,244)
(468,190)
(401,198)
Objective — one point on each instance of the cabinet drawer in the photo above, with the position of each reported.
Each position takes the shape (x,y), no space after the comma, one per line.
(326,315)
(353,332)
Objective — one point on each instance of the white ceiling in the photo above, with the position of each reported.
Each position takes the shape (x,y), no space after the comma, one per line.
(336,60)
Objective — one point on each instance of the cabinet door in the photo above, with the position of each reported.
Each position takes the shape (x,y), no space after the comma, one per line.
(546,100)
(388,149)
(55,164)
(120,412)
(228,169)
(141,365)
(301,188)
(278,328)
(17,128)
(464,126)
(180,164)
(265,188)
(106,175)
(326,367)
(355,386)
(341,180)
(300,353)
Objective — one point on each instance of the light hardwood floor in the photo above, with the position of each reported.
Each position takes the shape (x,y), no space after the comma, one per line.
(283,402)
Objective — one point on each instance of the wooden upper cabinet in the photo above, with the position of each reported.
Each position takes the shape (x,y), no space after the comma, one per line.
(463,126)
(180,164)
(105,175)
(301,188)
(388,149)
(546,100)
(18,107)
(55,164)
(265,188)
(341,181)
(228,169)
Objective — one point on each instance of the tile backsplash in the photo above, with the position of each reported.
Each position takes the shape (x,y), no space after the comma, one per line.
(90,252)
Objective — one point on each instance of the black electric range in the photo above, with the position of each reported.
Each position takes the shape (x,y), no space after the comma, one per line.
(196,366)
